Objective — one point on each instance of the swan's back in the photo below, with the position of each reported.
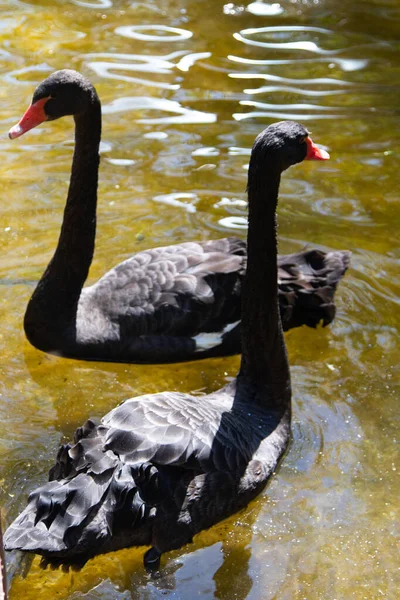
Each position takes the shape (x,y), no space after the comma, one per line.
(152,306)
(156,470)
(183,302)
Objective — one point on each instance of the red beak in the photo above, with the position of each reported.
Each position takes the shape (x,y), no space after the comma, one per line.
(33,117)
(315,153)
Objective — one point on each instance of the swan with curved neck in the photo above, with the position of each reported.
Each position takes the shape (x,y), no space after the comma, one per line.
(160,468)
(162,305)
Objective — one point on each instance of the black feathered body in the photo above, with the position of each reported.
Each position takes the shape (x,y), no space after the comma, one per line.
(183,302)
(160,468)
(157,469)
(167,304)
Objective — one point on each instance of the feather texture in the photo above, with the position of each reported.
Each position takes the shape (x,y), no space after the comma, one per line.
(157,305)
(160,468)
(158,463)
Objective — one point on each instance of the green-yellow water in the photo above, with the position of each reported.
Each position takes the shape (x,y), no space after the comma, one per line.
(181,109)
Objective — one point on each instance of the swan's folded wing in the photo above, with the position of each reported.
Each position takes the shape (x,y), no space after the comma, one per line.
(175,290)
(172,429)
(183,302)
(140,459)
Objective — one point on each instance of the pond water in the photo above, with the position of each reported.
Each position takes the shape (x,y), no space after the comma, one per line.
(186,85)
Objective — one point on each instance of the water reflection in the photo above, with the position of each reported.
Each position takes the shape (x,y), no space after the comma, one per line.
(186,115)
(161,65)
(96,4)
(245,36)
(177,134)
(183,200)
(103,591)
(168,34)
(19,75)
(290,111)
(148,64)
(217,561)
(346,64)
(263,9)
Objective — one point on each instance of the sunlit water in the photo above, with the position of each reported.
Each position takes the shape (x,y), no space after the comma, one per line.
(186,86)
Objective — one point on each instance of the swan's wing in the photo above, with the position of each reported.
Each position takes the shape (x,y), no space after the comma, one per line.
(307,286)
(180,290)
(183,302)
(150,454)
(173,429)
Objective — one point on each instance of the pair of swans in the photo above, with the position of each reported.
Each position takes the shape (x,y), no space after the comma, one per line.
(160,468)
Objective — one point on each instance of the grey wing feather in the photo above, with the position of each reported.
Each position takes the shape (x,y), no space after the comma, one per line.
(183,302)
(187,279)
(180,430)
(307,286)
(140,282)
(147,459)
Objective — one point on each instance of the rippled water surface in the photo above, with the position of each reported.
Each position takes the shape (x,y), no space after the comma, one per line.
(186,85)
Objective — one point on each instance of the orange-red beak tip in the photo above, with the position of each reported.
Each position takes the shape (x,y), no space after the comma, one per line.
(34,116)
(315,153)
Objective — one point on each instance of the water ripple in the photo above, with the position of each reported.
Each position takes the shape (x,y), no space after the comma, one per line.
(187,201)
(263,9)
(189,60)
(285,88)
(98,4)
(346,64)
(284,116)
(312,81)
(135,32)
(300,106)
(13,76)
(185,115)
(286,111)
(233,223)
(287,28)
(155,64)
(147,64)
(318,81)
(349,209)
(306,45)
(206,151)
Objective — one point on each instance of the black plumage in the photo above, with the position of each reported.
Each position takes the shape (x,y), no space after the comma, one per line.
(164,304)
(159,468)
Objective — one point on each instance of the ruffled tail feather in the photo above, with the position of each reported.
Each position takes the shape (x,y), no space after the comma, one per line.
(99,505)
(308,282)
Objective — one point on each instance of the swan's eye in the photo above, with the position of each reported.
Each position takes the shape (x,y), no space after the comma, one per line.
(303,139)
(53,96)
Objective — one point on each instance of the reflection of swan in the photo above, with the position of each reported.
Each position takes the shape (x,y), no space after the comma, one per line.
(162,467)
(216,558)
(165,304)
(232,579)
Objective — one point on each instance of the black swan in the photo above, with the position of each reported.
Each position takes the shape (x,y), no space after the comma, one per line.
(167,304)
(159,468)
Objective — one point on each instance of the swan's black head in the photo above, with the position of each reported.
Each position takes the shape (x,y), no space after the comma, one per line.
(63,93)
(285,144)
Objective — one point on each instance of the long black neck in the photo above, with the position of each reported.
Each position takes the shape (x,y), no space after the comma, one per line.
(264,365)
(53,306)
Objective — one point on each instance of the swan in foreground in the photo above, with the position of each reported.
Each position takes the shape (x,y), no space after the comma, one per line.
(160,468)
(168,304)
